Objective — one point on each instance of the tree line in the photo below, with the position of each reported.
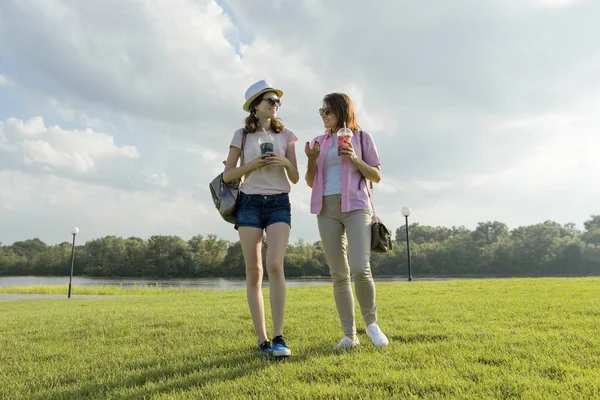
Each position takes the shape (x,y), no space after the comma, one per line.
(544,249)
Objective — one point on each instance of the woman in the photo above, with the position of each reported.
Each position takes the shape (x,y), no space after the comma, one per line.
(264,206)
(338,177)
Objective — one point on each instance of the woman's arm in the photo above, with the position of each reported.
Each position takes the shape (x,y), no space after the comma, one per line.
(371,173)
(313,155)
(233,173)
(292,168)
(309,177)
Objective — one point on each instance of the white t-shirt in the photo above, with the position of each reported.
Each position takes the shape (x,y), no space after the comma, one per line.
(333,171)
(268,179)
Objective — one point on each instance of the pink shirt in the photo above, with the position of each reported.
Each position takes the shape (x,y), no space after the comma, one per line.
(353,198)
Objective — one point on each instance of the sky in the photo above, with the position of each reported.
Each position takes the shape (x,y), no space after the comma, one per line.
(116,115)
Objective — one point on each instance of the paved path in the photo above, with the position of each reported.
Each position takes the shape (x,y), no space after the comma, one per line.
(9,297)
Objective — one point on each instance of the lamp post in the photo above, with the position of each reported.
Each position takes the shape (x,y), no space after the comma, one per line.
(74,232)
(406,213)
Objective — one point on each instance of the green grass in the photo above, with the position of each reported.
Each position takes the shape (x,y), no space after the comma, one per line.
(96,290)
(471,339)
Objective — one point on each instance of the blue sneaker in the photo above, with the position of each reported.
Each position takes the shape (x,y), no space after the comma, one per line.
(280,349)
(264,349)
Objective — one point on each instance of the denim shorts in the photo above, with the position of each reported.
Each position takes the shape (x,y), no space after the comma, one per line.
(260,211)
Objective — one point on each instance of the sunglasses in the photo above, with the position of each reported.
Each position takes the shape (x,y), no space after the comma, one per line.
(273,101)
(325,111)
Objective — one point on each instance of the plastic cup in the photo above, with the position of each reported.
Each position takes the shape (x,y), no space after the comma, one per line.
(344,136)
(266,147)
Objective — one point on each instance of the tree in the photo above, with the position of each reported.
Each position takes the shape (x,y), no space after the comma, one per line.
(490,232)
(233,263)
(548,248)
(536,246)
(423,233)
(28,248)
(207,254)
(571,229)
(168,257)
(106,257)
(593,222)
(592,237)
(135,256)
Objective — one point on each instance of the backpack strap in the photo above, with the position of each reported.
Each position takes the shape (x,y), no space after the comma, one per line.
(244,134)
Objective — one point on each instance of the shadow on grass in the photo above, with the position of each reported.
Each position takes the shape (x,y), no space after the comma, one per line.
(167,378)
(164,378)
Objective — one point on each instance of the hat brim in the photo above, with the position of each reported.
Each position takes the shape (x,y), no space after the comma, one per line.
(254,96)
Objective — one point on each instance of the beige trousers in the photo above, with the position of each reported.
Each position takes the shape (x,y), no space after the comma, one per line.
(346,239)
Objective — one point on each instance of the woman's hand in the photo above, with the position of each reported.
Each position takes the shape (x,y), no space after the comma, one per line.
(258,163)
(348,153)
(277,160)
(312,153)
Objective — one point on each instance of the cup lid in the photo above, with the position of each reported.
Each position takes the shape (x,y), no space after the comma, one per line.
(345,131)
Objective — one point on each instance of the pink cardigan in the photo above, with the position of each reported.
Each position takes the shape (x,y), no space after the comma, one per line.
(354,190)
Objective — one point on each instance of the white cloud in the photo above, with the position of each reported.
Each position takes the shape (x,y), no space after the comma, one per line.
(151,63)
(161,180)
(35,144)
(3,80)
(66,113)
(556,3)
(46,207)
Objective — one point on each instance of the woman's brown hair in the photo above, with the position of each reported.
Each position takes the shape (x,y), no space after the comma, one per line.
(341,105)
(253,123)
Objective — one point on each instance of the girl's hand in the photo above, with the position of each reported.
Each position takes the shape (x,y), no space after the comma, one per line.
(277,160)
(258,163)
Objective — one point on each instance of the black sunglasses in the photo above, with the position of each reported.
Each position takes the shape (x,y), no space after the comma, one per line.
(325,111)
(272,101)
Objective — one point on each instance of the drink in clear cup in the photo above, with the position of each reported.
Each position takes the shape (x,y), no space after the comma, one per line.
(344,138)
(265,141)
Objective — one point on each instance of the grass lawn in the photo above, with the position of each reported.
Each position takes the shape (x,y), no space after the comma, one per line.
(96,290)
(467,339)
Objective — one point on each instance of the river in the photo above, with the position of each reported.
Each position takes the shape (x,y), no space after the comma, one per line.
(201,283)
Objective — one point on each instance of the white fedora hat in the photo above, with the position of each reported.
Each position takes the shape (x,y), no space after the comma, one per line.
(256,90)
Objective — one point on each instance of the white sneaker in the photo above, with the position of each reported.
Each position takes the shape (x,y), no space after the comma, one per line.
(377,337)
(347,343)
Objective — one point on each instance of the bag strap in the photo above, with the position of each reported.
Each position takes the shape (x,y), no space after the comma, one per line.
(244,134)
(362,157)
(369,189)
